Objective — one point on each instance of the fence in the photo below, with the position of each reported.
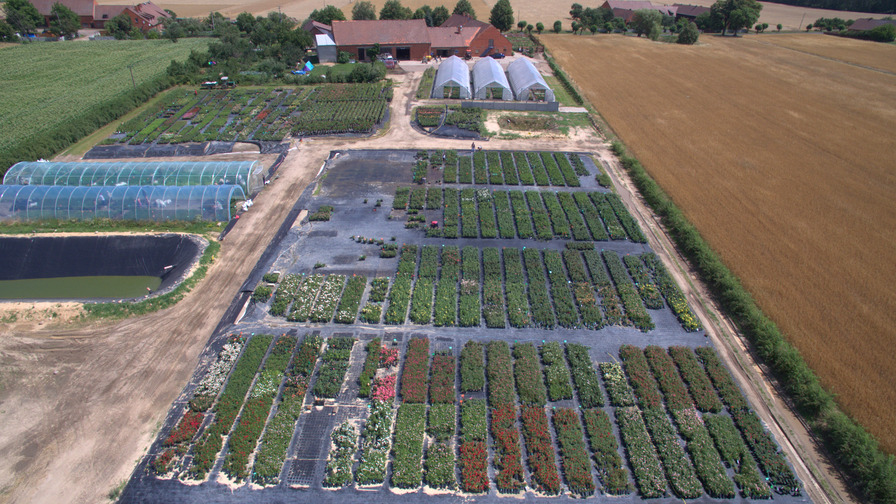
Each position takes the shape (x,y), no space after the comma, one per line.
(513,105)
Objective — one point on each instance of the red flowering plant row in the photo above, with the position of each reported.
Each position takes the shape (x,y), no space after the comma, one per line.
(640,377)
(508,455)
(705,397)
(473,452)
(573,456)
(228,406)
(666,374)
(186,428)
(642,455)
(278,433)
(542,464)
(527,372)
(605,450)
(472,367)
(722,381)
(415,376)
(500,375)
(441,388)
(244,439)
(584,376)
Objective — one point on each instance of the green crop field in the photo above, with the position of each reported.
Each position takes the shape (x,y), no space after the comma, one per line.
(46,84)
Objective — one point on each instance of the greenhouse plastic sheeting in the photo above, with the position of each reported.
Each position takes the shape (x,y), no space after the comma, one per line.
(488,74)
(525,78)
(246,174)
(156,203)
(453,72)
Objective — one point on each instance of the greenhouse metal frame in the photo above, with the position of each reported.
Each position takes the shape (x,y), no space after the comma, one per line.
(488,74)
(452,72)
(247,174)
(526,79)
(156,203)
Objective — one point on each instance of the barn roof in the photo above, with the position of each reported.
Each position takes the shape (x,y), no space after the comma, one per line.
(690,10)
(463,20)
(865,24)
(383,32)
(447,36)
(80,7)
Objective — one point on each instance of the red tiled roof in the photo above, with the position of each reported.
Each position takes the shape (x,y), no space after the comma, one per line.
(633,5)
(690,10)
(383,32)
(108,11)
(463,20)
(80,7)
(310,24)
(444,37)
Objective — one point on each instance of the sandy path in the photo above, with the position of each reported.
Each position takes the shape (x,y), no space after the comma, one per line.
(79,407)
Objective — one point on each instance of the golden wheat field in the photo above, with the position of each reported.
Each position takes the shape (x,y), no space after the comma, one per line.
(784,160)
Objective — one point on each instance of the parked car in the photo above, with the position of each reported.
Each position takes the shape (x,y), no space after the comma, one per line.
(497,55)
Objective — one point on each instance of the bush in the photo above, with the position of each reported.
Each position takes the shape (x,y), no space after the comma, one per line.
(262,294)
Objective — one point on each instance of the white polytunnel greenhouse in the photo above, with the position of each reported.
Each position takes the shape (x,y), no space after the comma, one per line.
(249,175)
(452,79)
(527,82)
(489,81)
(156,203)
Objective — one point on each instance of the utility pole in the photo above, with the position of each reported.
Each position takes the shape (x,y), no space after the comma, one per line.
(131,68)
(801,22)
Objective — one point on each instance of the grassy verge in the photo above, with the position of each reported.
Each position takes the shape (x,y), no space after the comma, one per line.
(560,92)
(107,226)
(425,88)
(123,310)
(872,472)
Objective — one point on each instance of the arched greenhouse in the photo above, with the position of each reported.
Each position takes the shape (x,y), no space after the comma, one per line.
(156,203)
(527,82)
(489,81)
(249,175)
(452,79)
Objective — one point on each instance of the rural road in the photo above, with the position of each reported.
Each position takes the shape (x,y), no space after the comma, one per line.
(80,403)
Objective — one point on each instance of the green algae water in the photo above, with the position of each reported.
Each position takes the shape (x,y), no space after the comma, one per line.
(85,287)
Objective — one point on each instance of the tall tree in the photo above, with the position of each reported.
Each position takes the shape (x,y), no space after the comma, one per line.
(439,15)
(464,7)
(64,21)
(735,14)
(644,20)
(245,22)
(557,26)
(363,11)
(7,34)
(502,15)
(424,13)
(327,15)
(393,9)
(22,15)
(120,26)
(689,34)
(576,11)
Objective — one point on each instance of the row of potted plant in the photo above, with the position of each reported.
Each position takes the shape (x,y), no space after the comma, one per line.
(495,172)
(674,297)
(705,456)
(451,215)
(523,168)
(556,374)
(399,298)
(421,301)
(472,367)
(445,312)
(439,466)
(641,378)
(415,377)
(609,300)
(492,289)
(429,262)
(500,375)
(332,374)
(643,281)
(767,454)
(540,450)
(574,457)
(433,198)
(721,379)
(592,216)
(473,462)
(417,198)
(217,373)
(564,306)
(736,455)
(642,455)
(469,313)
(541,221)
(576,223)
(538,171)
(441,387)
(569,174)
(618,388)
(327,299)
(376,437)
(527,374)
(469,216)
(666,374)
(252,419)
(286,291)
(558,217)
(343,444)
(634,309)
(625,218)
(303,300)
(480,173)
(441,421)
(351,300)
(701,389)
(584,376)
(274,443)
(508,168)
(515,289)
(506,227)
(539,300)
(553,170)
(508,455)
(605,452)
(407,444)
(522,215)
(679,471)
(608,215)
(228,406)
(487,226)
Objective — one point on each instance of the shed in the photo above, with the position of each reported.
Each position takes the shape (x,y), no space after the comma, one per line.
(326,48)
(452,80)
(489,81)
(527,82)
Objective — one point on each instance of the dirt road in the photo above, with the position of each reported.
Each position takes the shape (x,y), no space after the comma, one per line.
(79,406)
